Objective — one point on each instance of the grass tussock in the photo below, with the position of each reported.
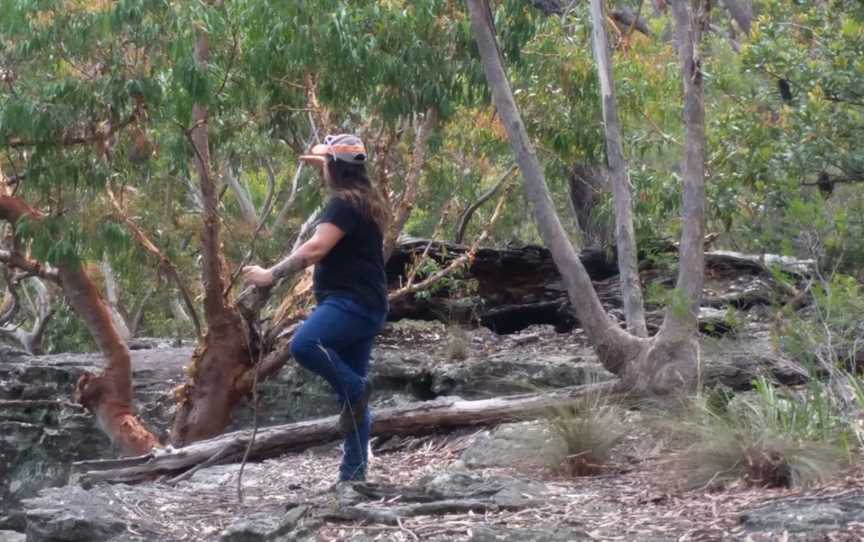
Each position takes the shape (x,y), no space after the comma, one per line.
(587,431)
(457,343)
(772,437)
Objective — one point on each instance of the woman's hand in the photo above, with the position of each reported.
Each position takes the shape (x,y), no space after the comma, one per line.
(258,276)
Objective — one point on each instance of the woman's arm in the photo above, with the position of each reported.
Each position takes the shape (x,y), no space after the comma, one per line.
(309,253)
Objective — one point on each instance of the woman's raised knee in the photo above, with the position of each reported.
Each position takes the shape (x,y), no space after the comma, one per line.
(302,347)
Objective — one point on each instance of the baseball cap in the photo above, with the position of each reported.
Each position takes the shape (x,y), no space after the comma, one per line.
(346,147)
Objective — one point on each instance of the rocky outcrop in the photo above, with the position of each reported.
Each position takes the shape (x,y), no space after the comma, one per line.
(42,432)
(806,515)
(523,444)
(71,514)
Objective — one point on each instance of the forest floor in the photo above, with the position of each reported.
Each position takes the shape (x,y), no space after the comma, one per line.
(634,499)
(634,496)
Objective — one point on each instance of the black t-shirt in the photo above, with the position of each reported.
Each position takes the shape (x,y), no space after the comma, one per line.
(355,266)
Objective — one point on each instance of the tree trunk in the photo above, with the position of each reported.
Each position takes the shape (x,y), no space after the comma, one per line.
(689,18)
(113,297)
(205,403)
(625,238)
(614,346)
(466,216)
(243,197)
(673,359)
(39,311)
(108,395)
(587,184)
(667,363)
(742,12)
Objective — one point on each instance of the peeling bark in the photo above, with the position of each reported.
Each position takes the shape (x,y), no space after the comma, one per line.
(108,395)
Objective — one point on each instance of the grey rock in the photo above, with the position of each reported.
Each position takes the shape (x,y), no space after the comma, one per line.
(255,528)
(12,536)
(42,432)
(72,514)
(513,444)
(515,372)
(503,490)
(542,533)
(805,514)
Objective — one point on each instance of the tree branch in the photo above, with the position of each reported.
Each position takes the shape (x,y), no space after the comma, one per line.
(484,197)
(166,265)
(412,181)
(464,259)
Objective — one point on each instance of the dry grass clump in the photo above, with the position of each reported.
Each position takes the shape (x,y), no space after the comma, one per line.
(724,456)
(765,439)
(588,430)
(457,343)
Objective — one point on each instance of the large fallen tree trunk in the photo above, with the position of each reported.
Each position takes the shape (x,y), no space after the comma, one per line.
(518,287)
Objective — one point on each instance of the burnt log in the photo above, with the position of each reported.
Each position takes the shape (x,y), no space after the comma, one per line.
(512,288)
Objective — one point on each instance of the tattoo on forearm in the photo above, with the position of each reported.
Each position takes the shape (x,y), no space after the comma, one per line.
(290,265)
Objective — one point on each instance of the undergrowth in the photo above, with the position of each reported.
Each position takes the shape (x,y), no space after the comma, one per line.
(782,436)
(771,437)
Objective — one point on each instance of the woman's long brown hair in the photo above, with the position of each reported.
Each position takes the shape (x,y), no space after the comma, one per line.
(351,183)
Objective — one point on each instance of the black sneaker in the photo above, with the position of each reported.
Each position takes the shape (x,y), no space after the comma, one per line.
(352,413)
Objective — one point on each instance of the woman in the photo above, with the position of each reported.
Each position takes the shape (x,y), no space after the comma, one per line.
(350,288)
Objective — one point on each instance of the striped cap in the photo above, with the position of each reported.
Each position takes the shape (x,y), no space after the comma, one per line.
(346,147)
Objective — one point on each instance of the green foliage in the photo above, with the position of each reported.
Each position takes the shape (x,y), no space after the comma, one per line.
(80,69)
(830,336)
(67,333)
(793,120)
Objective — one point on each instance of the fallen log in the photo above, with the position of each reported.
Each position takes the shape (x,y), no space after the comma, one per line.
(414,419)
(515,287)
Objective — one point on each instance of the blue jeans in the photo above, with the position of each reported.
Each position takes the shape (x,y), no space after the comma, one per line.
(335,342)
